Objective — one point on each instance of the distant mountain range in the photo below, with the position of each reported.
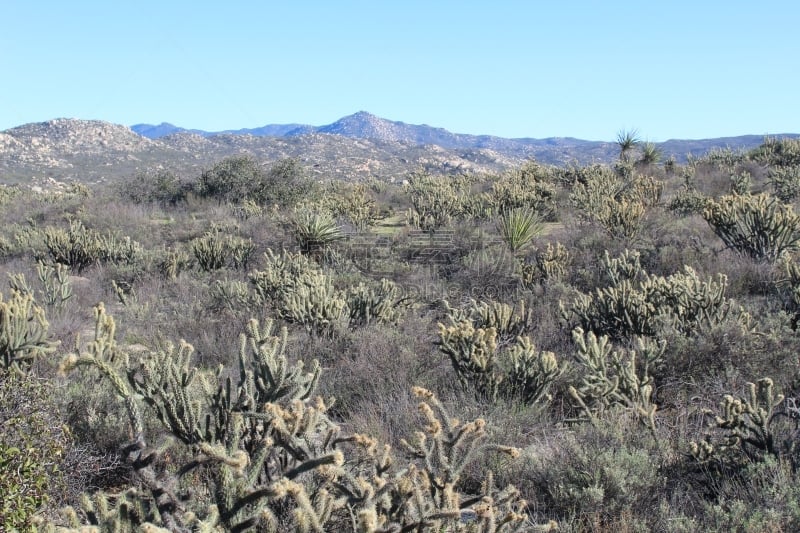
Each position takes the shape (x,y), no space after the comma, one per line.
(354,147)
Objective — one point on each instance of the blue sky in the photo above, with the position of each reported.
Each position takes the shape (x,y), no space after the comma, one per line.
(587,69)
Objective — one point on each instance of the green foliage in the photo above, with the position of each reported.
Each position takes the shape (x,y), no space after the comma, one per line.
(518,227)
(759,227)
(313,230)
(239,178)
(285,185)
(32,447)
(160,185)
(490,356)
(23,332)
(231,180)
(651,154)
(627,141)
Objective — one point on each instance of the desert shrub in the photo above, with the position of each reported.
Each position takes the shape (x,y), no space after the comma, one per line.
(594,474)
(231,180)
(33,442)
(161,186)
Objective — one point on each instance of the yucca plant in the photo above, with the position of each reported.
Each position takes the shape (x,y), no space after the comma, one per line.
(517,227)
(313,229)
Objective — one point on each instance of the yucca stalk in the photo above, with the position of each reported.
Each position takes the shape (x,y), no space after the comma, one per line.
(517,227)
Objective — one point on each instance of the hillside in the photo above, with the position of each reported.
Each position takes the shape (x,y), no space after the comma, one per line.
(355,147)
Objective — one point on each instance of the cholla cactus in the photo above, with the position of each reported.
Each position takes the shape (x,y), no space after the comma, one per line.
(760,227)
(529,187)
(423,495)
(549,264)
(616,203)
(383,303)
(748,426)
(436,200)
(511,370)
(214,251)
(77,247)
(681,300)
(611,379)
(268,456)
(23,332)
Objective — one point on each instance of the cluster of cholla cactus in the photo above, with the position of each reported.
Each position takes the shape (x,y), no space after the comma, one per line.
(214,250)
(549,264)
(637,303)
(23,332)
(688,201)
(492,357)
(173,261)
(435,201)
(530,187)
(614,379)
(79,247)
(354,203)
(258,452)
(301,293)
(617,204)
(56,288)
(383,303)
(757,226)
(749,424)
(785,182)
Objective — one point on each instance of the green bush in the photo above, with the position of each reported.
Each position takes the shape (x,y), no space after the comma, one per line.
(32,447)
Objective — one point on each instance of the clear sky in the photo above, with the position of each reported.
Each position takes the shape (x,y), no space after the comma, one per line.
(587,69)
